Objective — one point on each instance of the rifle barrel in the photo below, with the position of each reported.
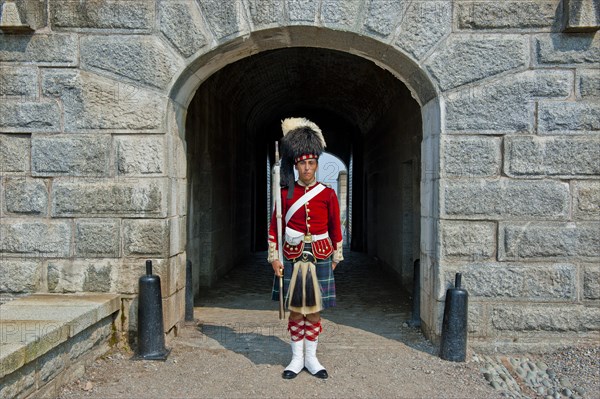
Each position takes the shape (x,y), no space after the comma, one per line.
(277,199)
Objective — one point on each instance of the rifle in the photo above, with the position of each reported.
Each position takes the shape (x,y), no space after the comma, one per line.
(277,198)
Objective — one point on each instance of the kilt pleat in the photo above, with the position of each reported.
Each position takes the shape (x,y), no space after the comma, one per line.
(324,276)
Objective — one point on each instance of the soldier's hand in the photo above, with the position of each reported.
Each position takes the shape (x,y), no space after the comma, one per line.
(333,265)
(277,268)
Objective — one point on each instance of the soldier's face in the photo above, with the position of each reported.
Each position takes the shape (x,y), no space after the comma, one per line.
(306,170)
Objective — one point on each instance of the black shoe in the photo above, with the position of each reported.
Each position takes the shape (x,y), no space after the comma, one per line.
(322,374)
(288,374)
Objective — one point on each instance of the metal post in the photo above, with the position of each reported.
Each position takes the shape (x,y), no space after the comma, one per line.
(189,292)
(415,321)
(151,333)
(454,327)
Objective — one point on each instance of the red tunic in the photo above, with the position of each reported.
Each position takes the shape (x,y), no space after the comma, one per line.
(318,216)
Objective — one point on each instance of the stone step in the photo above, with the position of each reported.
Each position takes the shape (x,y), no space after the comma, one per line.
(34,325)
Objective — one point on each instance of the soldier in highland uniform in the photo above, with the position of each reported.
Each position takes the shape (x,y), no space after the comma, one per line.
(312,243)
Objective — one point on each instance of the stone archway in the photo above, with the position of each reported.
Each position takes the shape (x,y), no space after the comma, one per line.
(401,67)
(92,150)
(477,82)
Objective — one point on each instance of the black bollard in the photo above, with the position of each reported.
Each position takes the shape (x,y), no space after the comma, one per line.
(415,321)
(189,292)
(454,327)
(151,338)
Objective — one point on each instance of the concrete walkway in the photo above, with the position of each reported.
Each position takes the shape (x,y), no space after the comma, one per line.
(238,348)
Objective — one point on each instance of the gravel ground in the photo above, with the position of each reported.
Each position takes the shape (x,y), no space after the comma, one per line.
(238,349)
(581,365)
(571,372)
(198,368)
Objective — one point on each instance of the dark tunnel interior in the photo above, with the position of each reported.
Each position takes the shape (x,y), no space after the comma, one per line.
(369,119)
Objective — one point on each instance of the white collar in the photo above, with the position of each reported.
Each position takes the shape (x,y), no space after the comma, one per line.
(312,183)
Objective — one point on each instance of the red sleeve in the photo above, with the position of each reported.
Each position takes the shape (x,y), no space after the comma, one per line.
(334,226)
(273,228)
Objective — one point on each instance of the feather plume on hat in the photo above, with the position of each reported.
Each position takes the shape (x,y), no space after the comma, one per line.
(289,124)
(302,139)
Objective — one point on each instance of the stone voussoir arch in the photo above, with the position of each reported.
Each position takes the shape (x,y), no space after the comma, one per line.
(362,40)
(478,82)
(509,107)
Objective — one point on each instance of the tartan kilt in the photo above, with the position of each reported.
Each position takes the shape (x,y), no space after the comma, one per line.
(324,276)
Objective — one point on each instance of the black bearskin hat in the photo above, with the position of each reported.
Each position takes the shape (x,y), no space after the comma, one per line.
(302,139)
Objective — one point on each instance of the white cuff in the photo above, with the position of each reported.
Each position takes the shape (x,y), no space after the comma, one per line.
(273,254)
(338,256)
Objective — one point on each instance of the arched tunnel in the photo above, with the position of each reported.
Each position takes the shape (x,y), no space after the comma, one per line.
(370,121)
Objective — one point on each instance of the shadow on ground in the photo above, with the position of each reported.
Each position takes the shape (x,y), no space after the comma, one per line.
(242,317)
